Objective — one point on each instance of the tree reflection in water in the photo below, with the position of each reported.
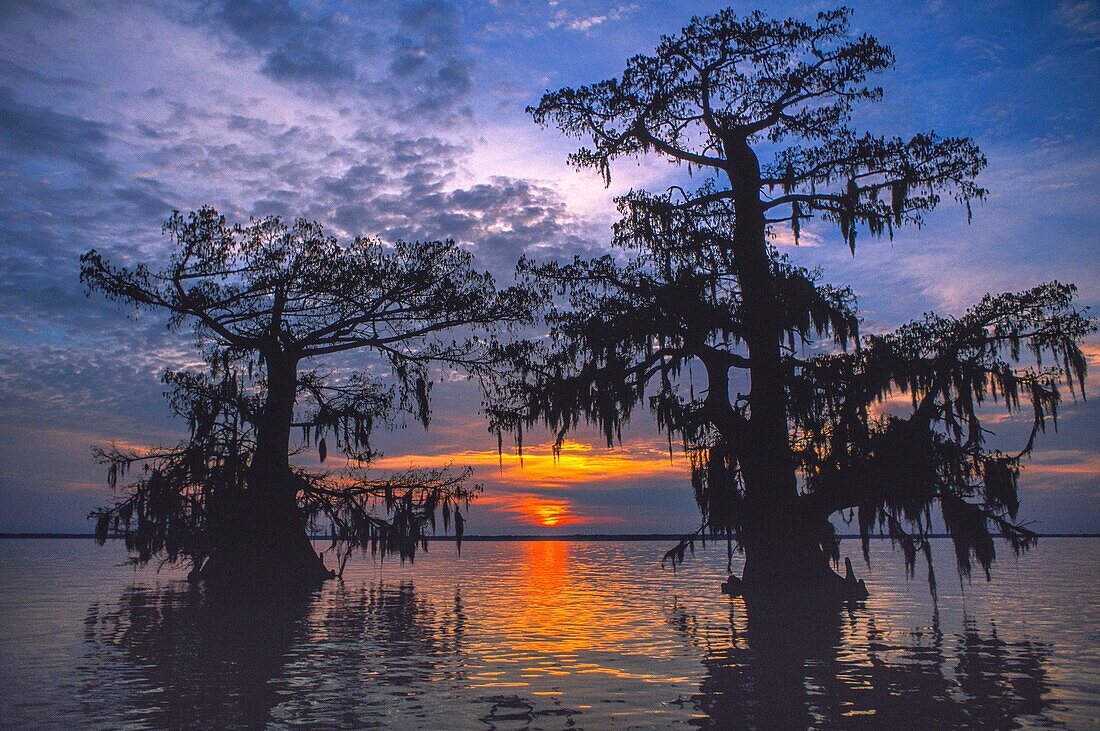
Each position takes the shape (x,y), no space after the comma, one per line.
(379,653)
(174,656)
(819,668)
(376,654)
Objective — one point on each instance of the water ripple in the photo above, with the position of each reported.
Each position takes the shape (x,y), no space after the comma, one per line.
(545,635)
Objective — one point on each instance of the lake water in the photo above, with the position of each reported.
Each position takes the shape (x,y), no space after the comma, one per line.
(591,635)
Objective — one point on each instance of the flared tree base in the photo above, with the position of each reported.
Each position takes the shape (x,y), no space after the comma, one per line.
(787,577)
(283,572)
(259,544)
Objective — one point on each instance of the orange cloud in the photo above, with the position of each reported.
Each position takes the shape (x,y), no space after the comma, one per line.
(1092,354)
(1064,462)
(512,479)
(576,464)
(136,447)
(1092,357)
(538,510)
(898,403)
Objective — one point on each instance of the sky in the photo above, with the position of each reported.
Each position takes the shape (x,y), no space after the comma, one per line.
(406,120)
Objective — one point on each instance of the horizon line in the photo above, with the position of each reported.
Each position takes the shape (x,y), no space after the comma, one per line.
(505,537)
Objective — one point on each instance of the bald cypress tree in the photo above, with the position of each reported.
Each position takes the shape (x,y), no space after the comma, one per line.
(269,303)
(760,109)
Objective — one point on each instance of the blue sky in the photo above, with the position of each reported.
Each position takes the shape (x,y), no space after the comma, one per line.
(407,120)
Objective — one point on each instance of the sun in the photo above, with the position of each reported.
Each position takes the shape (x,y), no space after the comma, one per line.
(549,515)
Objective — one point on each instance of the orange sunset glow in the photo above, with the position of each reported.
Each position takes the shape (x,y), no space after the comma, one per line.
(575,464)
(551,514)
(513,478)
(536,510)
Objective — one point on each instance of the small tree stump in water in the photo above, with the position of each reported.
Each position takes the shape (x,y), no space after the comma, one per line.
(854,588)
(732,586)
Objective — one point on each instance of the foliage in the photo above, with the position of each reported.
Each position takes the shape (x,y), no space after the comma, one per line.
(891,469)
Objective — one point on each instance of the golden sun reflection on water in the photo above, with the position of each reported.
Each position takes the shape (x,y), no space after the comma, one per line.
(571,619)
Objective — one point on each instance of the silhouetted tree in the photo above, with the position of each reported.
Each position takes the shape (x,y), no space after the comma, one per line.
(263,300)
(761,108)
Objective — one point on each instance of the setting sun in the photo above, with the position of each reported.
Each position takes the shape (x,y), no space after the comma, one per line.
(549,515)
(537,510)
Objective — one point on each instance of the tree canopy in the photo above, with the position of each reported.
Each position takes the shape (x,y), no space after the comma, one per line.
(727,87)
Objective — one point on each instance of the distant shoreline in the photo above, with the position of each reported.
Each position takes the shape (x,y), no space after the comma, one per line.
(562,537)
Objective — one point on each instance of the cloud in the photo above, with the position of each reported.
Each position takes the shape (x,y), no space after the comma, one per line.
(409,56)
(981,48)
(30,131)
(213,119)
(581,485)
(295,47)
(584,23)
(41,8)
(405,120)
(1076,462)
(540,511)
(428,56)
(576,464)
(306,62)
(410,190)
(1079,19)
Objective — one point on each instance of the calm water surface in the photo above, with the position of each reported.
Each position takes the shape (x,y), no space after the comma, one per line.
(546,635)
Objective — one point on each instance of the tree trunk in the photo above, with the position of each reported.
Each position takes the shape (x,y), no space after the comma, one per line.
(781,543)
(258,535)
